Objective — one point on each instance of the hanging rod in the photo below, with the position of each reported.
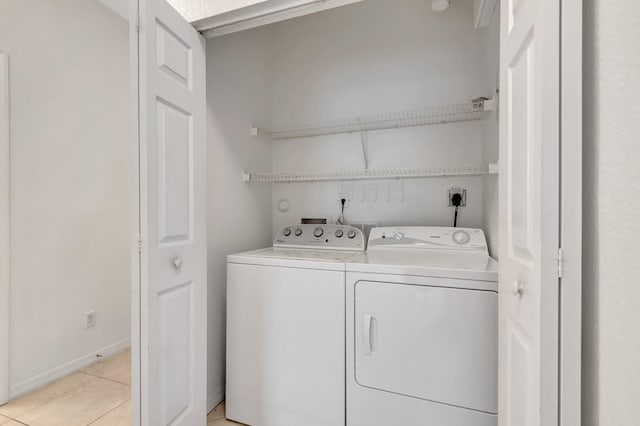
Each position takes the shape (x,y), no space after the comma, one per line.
(375,174)
(469,111)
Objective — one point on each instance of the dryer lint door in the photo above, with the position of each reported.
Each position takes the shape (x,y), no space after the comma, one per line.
(434,343)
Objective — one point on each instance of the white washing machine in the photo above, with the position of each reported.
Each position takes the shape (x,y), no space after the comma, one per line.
(422,329)
(286,328)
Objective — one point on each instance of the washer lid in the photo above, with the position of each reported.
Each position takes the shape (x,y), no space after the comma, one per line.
(295,258)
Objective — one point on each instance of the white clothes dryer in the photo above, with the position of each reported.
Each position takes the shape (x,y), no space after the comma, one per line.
(286,328)
(422,329)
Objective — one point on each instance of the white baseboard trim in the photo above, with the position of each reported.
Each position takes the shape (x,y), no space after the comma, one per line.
(64,369)
(214,398)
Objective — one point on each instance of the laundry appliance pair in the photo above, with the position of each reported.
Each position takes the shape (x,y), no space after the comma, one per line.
(321,332)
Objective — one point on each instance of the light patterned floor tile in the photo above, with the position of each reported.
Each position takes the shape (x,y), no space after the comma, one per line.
(216,417)
(4,420)
(223,422)
(216,413)
(117,367)
(81,406)
(24,404)
(12,422)
(120,416)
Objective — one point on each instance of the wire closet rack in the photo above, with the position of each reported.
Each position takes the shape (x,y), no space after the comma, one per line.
(438,115)
(469,111)
(374,174)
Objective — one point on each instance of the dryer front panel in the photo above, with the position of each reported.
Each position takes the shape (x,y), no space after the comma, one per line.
(429,342)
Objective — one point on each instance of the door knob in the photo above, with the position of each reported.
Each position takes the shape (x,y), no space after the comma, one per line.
(177,262)
(517,288)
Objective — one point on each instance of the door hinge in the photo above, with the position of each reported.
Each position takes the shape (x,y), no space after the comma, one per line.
(560,262)
(137,23)
(139,244)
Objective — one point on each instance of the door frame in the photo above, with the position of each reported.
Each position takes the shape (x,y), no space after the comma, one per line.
(570,315)
(136,242)
(570,320)
(5,226)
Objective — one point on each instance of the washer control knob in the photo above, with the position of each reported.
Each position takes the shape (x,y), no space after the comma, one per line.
(339,233)
(351,234)
(298,232)
(318,232)
(461,237)
(286,232)
(399,236)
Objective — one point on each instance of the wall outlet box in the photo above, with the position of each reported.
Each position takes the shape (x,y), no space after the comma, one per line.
(89,319)
(344,196)
(461,191)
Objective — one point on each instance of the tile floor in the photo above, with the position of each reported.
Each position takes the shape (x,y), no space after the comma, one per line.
(98,395)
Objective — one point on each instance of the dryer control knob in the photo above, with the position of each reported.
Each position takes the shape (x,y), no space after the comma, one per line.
(399,236)
(461,237)
(298,232)
(286,232)
(339,233)
(318,232)
(351,234)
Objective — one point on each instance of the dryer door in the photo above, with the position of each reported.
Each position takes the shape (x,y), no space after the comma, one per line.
(434,343)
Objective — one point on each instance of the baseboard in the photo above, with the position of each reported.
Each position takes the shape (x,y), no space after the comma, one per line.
(214,398)
(64,369)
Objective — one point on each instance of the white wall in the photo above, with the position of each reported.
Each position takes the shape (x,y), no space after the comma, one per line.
(239,75)
(372,57)
(611,283)
(69,81)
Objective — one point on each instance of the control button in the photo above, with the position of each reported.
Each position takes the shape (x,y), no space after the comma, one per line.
(286,232)
(399,236)
(339,233)
(318,232)
(298,232)
(461,237)
(351,234)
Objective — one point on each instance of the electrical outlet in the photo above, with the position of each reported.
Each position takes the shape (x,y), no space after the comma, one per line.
(344,196)
(461,191)
(89,319)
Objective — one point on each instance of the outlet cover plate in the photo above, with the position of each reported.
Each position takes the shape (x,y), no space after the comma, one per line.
(460,191)
(89,319)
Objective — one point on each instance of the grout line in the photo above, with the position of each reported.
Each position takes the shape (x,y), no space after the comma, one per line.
(48,400)
(114,381)
(113,409)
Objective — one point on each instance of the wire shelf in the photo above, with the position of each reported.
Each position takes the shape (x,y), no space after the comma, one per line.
(376,174)
(438,115)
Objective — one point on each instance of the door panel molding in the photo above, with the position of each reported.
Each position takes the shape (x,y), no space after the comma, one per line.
(169,285)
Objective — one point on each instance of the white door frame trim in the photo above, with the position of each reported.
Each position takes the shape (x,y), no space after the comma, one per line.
(570,212)
(134,166)
(5,228)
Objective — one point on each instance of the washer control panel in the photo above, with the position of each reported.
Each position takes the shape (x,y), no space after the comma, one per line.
(428,237)
(334,237)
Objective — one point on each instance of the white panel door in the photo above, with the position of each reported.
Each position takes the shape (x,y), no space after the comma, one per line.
(172,151)
(529,212)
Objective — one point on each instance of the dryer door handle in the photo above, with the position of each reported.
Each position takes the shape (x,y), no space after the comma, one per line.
(368,333)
